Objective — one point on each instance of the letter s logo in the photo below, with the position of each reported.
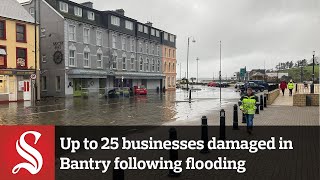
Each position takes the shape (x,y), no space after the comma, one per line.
(28,153)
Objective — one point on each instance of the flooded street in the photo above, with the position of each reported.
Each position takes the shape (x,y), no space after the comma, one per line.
(153,109)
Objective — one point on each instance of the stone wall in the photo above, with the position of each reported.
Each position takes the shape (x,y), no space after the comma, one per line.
(301,99)
(272,95)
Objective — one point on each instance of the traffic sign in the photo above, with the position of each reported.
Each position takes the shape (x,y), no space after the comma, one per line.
(33,76)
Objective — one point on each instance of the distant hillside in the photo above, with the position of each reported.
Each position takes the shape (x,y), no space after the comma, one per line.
(307,73)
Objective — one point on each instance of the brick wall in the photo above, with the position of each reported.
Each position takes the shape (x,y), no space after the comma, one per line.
(272,95)
(301,100)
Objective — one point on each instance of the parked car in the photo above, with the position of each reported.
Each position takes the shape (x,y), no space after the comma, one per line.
(212,84)
(140,90)
(223,84)
(260,82)
(255,87)
(238,85)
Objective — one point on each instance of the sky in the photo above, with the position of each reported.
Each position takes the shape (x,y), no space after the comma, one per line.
(253,33)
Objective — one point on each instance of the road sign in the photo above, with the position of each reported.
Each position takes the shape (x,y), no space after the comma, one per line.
(33,76)
(242,72)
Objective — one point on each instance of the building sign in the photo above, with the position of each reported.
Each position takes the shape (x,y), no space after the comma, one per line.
(21,85)
(15,72)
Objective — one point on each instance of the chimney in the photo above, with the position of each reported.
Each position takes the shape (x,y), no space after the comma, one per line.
(88,4)
(149,23)
(120,11)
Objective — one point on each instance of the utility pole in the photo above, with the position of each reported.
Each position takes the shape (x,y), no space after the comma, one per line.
(220,74)
(197,69)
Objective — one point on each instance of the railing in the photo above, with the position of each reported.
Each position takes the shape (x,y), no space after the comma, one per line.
(306,89)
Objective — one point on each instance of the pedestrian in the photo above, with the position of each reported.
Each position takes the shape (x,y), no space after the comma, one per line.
(248,107)
(283,86)
(290,87)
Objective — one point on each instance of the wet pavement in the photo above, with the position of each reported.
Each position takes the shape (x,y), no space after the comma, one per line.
(153,109)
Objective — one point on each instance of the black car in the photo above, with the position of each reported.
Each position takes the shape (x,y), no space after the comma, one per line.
(260,82)
(255,87)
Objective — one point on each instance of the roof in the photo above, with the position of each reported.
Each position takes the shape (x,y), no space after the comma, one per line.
(12,9)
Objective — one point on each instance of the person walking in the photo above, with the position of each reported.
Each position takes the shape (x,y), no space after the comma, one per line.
(283,87)
(290,87)
(248,107)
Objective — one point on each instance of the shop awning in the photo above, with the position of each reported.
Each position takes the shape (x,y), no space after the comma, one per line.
(3,52)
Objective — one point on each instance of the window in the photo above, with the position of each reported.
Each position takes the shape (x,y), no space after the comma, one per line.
(72,57)
(169,69)
(165,66)
(99,60)
(77,11)
(129,25)
(153,32)
(86,59)
(123,43)
(86,35)
(152,49)
(99,38)
(158,50)
(43,83)
(2,30)
(31,11)
(44,58)
(173,53)
(72,32)
(165,36)
(165,52)
(91,15)
(114,62)
(123,63)
(114,41)
(21,58)
(58,83)
(173,67)
(63,7)
(147,64)
(141,48)
(4,84)
(140,28)
(169,52)
(172,38)
(132,63)
(169,83)
(132,45)
(115,20)
(153,64)
(21,32)
(146,29)
(158,67)
(141,64)
(157,33)
(3,57)
(147,48)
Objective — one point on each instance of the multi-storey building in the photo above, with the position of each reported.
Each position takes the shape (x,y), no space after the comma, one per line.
(83,48)
(18,49)
(169,60)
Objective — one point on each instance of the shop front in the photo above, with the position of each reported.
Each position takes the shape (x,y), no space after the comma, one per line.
(15,85)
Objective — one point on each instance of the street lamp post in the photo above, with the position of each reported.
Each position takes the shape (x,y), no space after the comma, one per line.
(312,85)
(197,69)
(220,75)
(188,61)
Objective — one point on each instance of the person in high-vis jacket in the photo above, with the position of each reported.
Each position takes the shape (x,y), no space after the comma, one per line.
(248,107)
(290,87)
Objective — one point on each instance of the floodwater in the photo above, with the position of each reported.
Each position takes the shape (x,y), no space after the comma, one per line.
(153,109)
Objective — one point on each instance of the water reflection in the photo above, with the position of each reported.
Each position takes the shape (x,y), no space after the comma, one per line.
(154,109)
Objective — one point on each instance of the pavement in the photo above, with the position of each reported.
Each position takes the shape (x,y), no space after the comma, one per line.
(285,100)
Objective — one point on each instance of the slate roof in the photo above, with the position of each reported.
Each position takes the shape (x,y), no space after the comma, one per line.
(12,9)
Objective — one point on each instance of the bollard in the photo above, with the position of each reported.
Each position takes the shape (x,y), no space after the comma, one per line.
(190,96)
(235,117)
(257,109)
(118,174)
(173,154)
(204,134)
(244,118)
(261,102)
(222,125)
(265,101)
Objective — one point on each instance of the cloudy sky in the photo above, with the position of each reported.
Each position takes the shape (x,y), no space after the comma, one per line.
(253,33)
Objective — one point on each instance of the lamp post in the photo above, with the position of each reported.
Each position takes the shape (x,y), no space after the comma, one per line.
(220,84)
(312,85)
(197,69)
(188,60)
